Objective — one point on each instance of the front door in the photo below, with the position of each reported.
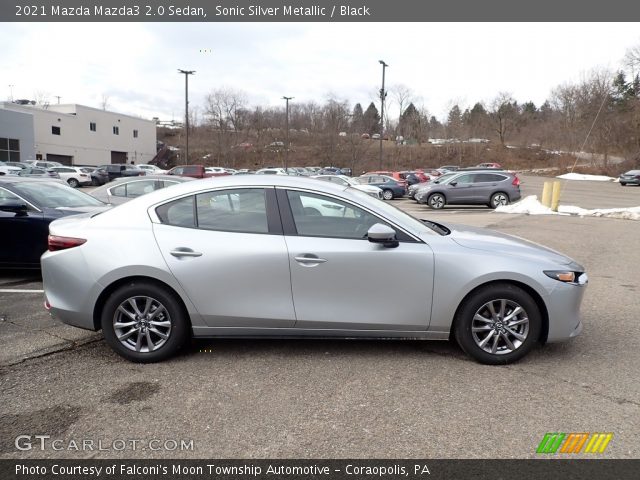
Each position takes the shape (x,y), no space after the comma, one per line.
(340,280)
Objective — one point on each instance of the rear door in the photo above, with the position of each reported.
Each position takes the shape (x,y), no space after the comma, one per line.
(226,249)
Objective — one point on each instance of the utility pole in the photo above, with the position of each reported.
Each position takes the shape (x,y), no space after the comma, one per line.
(383,96)
(58,97)
(286,153)
(11,90)
(186,109)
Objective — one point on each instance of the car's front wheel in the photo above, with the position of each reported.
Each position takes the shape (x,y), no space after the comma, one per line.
(498,324)
(437,201)
(144,322)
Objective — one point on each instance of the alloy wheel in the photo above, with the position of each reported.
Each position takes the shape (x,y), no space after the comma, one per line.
(500,326)
(142,324)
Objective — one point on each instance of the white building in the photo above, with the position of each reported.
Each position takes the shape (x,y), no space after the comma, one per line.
(77,135)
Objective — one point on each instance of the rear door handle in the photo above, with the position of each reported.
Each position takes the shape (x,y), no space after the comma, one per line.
(184,252)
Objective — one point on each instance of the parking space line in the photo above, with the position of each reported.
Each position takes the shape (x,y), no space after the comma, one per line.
(14,290)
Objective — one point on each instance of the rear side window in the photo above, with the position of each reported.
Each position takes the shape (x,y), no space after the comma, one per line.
(489,177)
(239,210)
(179,213)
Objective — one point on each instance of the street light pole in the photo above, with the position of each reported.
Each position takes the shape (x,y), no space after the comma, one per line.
(186,109)
(286,153)
(383,95)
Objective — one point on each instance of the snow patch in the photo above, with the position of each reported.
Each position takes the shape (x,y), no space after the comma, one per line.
(531,206)
(581,176)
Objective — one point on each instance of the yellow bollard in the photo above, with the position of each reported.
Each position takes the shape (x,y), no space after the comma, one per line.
(555,196)
(546,194)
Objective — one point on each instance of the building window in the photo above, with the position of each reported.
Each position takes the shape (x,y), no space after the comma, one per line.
(135,134)
(55,130)
(116,130)
(92,126)
(9,150)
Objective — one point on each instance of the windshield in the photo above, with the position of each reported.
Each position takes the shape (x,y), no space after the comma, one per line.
(55,195)
(388,209)
(445,178)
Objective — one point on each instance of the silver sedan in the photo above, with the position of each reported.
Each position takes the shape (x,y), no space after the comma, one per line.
(246,256)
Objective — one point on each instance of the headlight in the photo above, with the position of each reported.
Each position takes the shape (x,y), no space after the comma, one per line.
(576,278)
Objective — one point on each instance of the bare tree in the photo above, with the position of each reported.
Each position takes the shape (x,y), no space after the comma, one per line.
(503,115)
(403,96)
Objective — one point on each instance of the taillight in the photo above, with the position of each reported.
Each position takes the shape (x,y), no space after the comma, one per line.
(62,243)
(516,181)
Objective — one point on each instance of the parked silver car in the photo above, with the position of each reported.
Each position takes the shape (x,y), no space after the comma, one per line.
(482,187)
(231,256)
(123,189)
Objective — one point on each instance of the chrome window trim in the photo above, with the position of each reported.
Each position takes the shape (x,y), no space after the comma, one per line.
(22,198)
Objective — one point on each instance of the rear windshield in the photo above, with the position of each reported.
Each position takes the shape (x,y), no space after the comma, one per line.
(54,195)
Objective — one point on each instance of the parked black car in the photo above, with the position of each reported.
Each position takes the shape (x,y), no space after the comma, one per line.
(27,206)
(99,176)
(117,170)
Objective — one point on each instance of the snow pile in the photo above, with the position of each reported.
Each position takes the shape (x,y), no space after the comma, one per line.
(632,213)
(531,206)
(581,176)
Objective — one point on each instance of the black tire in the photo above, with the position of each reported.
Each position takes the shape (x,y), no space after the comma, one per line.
(73,183)
(437,201)
(477,303)
(623,184)
(177,331)
(497,199)
(95,182)
(387,194)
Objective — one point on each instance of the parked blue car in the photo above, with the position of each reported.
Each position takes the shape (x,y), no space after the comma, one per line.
(27,206)
(391,188)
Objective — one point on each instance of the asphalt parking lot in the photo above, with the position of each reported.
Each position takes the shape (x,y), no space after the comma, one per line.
(342,399)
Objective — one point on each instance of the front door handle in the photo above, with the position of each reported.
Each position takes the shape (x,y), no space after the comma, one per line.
(184,252)
(308,259)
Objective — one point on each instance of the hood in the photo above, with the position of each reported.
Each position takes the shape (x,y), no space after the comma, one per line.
(491,241)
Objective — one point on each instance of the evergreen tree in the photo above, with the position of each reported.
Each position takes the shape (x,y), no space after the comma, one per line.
(371,120)
(357,119)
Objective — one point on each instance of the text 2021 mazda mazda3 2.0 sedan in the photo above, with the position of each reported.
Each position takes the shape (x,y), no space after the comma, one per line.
(280,256)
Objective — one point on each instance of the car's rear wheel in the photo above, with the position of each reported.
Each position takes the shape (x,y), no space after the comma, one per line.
(144,322)
(73,183)
(498,199)
(387,194)
(437,201)
(498,324)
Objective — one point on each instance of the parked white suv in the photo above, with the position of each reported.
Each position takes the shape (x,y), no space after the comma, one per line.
(74,176)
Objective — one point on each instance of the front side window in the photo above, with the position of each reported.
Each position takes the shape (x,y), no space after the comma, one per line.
(134,189)
(320,216)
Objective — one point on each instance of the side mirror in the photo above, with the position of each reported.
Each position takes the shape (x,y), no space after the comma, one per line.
(453,184)
(14,206)
(383,234)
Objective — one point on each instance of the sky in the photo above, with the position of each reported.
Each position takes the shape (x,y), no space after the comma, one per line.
(135,65)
